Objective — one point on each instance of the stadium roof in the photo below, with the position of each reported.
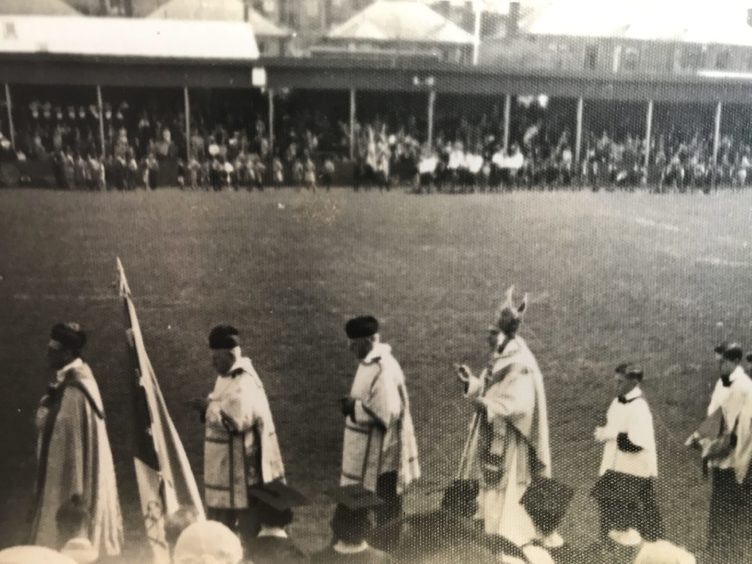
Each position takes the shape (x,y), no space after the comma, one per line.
(127,37)
(36,7)
(721,22)
(401,20)
(219,10)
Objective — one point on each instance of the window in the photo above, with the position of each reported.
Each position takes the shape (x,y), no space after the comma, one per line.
(723,59)
(631,59)
(691,57)
(591,57)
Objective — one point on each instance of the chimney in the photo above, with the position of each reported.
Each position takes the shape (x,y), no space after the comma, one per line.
(513,19)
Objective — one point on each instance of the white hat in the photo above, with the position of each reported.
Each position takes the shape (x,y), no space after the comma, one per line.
(33,555)
(207,542)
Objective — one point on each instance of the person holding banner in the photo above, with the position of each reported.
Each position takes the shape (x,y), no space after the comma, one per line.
(73,449)
(240,447)
(727,452)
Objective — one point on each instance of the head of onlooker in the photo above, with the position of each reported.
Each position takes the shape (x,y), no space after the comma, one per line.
(207,541)
(27,554)
(73,523)
(176,522)
(273,504)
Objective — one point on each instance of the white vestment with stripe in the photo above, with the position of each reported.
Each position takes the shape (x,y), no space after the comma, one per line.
(379,436)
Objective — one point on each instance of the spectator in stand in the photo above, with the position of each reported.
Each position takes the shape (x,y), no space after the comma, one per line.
(328,175)
(151,169)
(309,172)
(278,177)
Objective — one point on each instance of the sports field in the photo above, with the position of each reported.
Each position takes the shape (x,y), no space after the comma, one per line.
(612,277)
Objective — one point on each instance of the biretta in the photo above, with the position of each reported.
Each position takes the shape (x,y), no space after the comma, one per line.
(278,495)
(67,336)
(733,353)
(361,327)
(622,368)
(634,372)
(354,497)
(224,337)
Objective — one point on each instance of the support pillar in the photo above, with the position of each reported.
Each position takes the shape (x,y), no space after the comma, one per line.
(270,96)
(187,102)
(578,133)
(716,140)
(9,107)
(431,103)
(648,133)
(100,107)
(507,119)
(353,110)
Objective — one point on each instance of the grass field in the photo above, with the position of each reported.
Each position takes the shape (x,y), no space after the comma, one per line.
(612,277)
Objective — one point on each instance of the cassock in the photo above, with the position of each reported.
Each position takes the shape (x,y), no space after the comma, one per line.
(730,515)
(509,445)
(233,461)
(74,457)
(630,454)
(379,437)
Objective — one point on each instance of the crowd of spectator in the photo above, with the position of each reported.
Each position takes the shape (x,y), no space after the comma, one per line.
(310,149)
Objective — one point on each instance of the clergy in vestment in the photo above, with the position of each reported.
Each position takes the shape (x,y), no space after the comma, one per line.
(379,448)
(728,457)
(629,466)
(509,440)
(240,441)
(73,449)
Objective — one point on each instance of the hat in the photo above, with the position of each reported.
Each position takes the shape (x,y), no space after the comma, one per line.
(733,353)
(68,336)
(224,337)
(207,541)
(278,495)
(720,349)
(508,316)
(361,327)
(354,497)
(629,370)
(622,368)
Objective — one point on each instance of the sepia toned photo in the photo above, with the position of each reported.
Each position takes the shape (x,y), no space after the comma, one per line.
(371,281)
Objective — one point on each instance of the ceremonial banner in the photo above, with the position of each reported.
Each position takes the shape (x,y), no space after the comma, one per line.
(165,479)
